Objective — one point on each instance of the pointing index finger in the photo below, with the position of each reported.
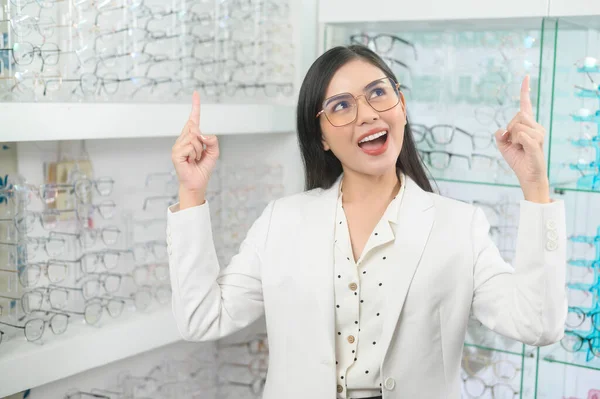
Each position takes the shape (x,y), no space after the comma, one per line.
(195,114)
(526,106)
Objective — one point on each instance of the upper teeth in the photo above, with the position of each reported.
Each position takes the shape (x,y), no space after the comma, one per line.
(373,136)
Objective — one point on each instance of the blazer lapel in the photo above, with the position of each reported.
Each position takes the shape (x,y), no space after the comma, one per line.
(415,220)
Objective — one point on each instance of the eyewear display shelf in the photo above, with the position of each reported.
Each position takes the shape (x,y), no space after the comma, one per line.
(71,121)
(25,365)
(462,83)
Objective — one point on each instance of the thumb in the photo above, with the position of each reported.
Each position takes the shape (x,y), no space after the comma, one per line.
(212,144)
(502,139)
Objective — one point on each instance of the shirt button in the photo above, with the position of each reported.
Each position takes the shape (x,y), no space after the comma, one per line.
(353,286)
(551,224)
(340,388)
(551,245)
(389,384)
(351,339)
(552,235)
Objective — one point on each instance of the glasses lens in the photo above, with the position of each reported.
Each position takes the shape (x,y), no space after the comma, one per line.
(483,162)
(575,318)
(55,246)
(571,343)
(110,81)
(104,186)
(29,275)
(382,95)
(271,89)
(505,370)
(23,53)
(482,141)
(82,190)
(112,283)
(595,346)
(110,235)
(89,262)
(111,259)
(93,313)
(143,299)
(106,210)
(383,44)
(57,272)
(50,53)
(442,134)
(163,294)
(59,298)
(439,160)
(59,323)
(140,275)
(89,83)
(50,219)
(115,307)
(162,273)
(34,329)
(31,301)
(474,387)
(502,391)
(340,110)
(25,222)
(418,132)
(91,288)
(360,39)
(257,386)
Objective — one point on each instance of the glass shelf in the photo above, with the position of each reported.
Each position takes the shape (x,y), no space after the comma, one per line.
(484,183)
(562,190)
(573,364)
(485,348)
(574,128)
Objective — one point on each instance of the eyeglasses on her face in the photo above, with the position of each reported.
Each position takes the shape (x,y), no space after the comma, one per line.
(342,109)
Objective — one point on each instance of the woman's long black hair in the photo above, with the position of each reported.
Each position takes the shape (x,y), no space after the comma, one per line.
(321,167)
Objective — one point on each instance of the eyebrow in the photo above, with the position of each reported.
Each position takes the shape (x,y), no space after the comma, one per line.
(336,96)
(373,83)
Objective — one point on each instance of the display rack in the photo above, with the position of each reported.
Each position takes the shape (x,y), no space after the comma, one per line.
(71,121)
(24,365)
(550,48)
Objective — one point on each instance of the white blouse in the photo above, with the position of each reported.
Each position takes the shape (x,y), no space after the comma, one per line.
(359,305)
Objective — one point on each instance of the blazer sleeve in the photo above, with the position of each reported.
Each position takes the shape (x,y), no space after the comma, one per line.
(209,302)
(528,302)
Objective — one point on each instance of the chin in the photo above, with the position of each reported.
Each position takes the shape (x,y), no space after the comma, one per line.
(382,168)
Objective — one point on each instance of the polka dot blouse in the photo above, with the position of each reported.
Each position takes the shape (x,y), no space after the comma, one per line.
(359,303)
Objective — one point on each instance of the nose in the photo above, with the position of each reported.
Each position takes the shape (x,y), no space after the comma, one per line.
(364,112)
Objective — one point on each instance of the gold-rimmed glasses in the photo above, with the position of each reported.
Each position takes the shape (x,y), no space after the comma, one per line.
(342,109)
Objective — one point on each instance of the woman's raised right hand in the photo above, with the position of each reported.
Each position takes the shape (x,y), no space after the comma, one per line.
(194,155)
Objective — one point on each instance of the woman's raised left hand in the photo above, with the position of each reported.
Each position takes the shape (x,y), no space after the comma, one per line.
(522,146)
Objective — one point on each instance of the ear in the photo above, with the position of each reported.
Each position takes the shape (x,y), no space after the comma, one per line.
(325,145)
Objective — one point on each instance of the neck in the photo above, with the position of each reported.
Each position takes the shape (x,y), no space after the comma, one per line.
(360,188)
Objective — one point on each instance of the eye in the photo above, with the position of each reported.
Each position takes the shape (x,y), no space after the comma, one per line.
(340,106)
(377,92)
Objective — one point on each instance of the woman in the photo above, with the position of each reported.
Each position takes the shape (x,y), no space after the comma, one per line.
(367,279)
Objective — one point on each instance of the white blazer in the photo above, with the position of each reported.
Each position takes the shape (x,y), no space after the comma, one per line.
(447,267)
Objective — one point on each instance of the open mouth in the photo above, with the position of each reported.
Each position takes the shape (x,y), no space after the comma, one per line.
(374,142)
